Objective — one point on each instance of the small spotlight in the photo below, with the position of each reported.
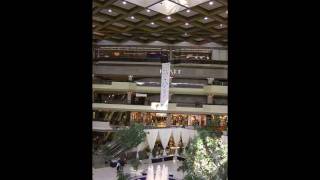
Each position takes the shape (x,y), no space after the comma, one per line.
(148,10)
(168,17)
(211,3)
(188,10)
(152,23)
(132,17)
(187,24)
(110,10)
(124,2)
(186,34)
(226,11)
(221,25)
(205,18)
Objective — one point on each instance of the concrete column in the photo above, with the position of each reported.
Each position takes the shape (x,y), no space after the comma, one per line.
(129,97)
(169,123)
(210,99)
(170,97)
(131,118)
(130,78)
(210,80)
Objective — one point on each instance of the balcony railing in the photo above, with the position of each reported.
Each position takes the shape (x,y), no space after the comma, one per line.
(101,81)
(158,84)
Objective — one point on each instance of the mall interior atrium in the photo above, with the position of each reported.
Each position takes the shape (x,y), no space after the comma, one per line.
(160,89)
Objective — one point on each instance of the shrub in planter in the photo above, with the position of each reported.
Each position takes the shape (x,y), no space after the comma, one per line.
(206,157)
(135,163)
(122,176)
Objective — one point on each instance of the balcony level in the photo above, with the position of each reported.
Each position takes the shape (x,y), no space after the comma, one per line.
(173,108)
(133,87)
(153,70)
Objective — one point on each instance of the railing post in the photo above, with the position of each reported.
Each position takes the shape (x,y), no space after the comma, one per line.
(129,97)
(210,99)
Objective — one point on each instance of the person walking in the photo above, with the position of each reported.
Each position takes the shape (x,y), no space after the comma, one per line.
(118,166)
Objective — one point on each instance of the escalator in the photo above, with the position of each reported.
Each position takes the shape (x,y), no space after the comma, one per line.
(113,150)
(110,116)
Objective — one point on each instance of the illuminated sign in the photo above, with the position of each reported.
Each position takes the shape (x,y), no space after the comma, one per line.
(173,71)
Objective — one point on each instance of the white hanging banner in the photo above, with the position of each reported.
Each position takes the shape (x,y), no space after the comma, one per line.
(192,134)
(176,135)
(165,84)
(151,137)
(185,137)
(164,138)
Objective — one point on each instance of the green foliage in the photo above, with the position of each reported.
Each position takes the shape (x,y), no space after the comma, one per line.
(122,176)
(131,137)
(135,163)
(204,157)
(154,152)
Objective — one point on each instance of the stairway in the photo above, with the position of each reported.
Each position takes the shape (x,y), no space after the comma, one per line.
(113,150)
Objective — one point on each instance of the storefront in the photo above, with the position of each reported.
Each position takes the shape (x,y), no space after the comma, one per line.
(188,120)
(148,119)
(157,120)
(218,122)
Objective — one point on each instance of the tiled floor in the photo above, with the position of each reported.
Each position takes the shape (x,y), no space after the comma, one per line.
(109,173)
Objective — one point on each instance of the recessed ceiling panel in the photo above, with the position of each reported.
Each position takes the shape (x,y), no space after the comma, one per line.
(187,13)
(190,3)
(143,3)
(132,19)
(109,12)
(148,13)
(99,19)
(168,20)
(124,6)
(167,7)
(119,25)
(152,25)
(207,6)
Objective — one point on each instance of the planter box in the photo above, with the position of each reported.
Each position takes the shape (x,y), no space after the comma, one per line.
(168,158)
(156,160)
(180,158)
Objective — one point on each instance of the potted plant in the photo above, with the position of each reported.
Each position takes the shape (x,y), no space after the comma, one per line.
(122,176)
(135,163)
(154,152)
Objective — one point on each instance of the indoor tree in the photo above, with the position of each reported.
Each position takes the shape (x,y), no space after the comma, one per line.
(206,158)
(131,137)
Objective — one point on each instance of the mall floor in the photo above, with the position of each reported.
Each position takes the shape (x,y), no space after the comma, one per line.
(109,173)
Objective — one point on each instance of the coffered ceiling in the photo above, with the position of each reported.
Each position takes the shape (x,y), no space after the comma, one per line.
(169,21)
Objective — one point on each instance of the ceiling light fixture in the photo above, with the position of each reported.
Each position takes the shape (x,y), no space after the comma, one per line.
(169,17)
(132,17)
(205,18)
(226,11)
(187,24)
(148,10)
(211,3)
(152,23)
(188,10)
(124,2)
(186,34)
(110,10)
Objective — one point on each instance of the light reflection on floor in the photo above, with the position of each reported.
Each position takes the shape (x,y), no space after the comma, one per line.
(109,173)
